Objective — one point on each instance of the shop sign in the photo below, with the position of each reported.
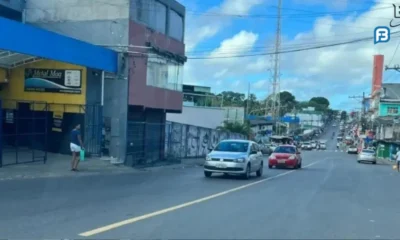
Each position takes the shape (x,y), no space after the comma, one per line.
(53,80)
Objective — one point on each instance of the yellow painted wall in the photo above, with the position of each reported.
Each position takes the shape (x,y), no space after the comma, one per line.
(59,102)
(2,75)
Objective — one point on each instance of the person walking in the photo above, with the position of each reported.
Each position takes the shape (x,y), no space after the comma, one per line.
(76,146)
(398,159)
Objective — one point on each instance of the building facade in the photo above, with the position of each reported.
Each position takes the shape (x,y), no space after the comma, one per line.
(12,9)
(150,36)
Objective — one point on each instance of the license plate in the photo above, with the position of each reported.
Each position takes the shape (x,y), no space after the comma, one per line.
(281,161)
(221,166)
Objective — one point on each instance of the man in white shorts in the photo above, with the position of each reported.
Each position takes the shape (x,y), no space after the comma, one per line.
(398,159)
(76,146)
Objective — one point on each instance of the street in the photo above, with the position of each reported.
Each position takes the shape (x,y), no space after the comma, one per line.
(331,197)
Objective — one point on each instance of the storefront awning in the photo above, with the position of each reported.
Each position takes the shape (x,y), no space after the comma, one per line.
(11,59)
(23,43)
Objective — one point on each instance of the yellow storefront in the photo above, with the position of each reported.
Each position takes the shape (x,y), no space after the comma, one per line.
(38,103)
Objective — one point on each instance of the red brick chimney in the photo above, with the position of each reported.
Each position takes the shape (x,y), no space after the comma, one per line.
(377,73)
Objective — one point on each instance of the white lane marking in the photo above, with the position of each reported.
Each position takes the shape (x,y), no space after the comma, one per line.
(187,204)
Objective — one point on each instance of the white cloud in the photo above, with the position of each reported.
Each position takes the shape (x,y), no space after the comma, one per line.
(202,28)
(335,72)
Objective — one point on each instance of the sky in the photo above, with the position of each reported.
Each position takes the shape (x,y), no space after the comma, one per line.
(218,31)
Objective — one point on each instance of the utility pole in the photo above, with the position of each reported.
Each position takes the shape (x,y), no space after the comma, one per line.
(275,83)
(395,67)
(362,102)
(248,103)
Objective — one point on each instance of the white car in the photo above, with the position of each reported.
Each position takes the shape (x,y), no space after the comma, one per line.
(366,155)
(237,157)
(313,144)
(352,150)
(322,146)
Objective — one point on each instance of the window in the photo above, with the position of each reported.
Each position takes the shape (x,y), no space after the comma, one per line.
(392,110)
(231,146)
(285,149)
(150,12)
(175,25)
(164,73)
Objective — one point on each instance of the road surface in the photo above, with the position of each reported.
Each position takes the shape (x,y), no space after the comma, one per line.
(332,197)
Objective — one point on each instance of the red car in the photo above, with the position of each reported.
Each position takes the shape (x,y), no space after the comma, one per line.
(285,156)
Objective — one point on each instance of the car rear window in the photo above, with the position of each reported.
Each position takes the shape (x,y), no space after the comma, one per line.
(285,149)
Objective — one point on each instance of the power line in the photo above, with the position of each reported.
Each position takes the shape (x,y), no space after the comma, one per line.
(292,50)
(242,48)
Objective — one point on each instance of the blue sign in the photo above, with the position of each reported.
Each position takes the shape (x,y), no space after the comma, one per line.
(381,34)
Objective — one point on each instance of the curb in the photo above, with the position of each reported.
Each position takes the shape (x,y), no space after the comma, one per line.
(385,161)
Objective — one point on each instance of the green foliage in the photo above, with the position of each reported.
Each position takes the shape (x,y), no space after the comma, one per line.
(236,127)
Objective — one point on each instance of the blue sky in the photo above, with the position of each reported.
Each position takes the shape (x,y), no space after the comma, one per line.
(335,72)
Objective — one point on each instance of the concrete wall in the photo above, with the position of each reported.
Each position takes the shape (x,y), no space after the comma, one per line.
(17,5)
(199,116)
(187,141)
(310,119)
(92,21)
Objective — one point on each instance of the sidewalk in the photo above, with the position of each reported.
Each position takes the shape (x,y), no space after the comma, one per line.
(385,161)
(59,165)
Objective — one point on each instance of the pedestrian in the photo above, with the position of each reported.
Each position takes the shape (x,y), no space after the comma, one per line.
(398,159)
(76,146)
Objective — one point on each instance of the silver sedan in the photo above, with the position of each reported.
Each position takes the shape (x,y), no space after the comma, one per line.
(366,155)
(238,157)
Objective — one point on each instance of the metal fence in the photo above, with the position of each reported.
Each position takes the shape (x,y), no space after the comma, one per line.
(24,132)
(155,143)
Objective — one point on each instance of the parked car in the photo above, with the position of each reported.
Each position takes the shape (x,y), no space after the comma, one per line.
(322,146)
(313,144)
(352,150)
(265,149)
(238,157)
(285,156)
(366,155)
(306,146)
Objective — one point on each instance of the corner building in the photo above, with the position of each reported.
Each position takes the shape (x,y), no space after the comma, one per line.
(148,36)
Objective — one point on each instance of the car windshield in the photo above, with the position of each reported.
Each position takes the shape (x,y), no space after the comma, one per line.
(368,151)
(285,149)
(230,146)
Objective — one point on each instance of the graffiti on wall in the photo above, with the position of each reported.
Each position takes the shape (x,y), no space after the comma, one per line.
(187,141)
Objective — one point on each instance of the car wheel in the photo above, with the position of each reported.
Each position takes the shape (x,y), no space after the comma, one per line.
(359,161)
(247,174)
(207,174)
(260,171)
(269,166)
(374,162)
(299,166)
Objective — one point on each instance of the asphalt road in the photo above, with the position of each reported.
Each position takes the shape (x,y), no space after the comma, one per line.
(332,197)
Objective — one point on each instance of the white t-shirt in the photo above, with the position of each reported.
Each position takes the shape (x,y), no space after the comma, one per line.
(398,156)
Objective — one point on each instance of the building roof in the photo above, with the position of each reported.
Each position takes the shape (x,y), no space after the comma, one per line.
(391,91)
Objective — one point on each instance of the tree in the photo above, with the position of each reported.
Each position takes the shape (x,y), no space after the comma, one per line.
(236,127)
(320,103)
(343,115)
(287,102)
(233,98)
